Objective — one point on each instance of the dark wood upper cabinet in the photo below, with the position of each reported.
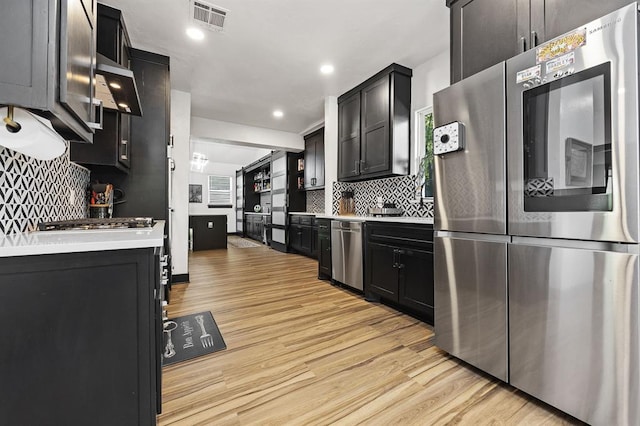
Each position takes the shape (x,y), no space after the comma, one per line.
(374,126)
(551,18)
(483,33)
(349,136)
(48,62)
(112,145)
(314,160)
(486,32)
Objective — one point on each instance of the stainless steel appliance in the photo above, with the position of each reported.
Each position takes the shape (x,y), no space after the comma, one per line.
(97,223)
(346,253)
(567,243)
(573,130)
(471,221)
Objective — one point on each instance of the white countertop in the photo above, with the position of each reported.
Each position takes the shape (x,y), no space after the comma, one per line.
(80,240)
(306,214)
(258,214)
(395,219)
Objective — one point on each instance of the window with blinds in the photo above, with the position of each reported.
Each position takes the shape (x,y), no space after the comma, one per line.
(220,191)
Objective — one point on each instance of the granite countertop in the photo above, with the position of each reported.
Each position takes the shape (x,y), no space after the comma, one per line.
(395,219)
(80,240)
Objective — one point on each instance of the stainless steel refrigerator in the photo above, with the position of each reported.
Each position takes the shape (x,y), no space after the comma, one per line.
(537,244)
(471,221)
(572,131)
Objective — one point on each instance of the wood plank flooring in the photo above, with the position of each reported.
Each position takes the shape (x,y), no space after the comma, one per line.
(301,351)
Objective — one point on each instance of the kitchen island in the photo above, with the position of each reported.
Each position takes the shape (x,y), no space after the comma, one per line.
(82,329)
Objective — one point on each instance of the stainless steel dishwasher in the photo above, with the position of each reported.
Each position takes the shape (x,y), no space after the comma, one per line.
(346,253)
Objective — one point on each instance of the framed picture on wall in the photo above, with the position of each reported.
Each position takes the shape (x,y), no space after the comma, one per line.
(195,193)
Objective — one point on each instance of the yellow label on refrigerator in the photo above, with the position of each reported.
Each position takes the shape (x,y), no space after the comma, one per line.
(561,45)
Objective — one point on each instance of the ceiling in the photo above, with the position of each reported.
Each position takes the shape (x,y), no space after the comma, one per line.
(269,55)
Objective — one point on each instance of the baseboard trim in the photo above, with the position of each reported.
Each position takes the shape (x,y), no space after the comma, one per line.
(278,246)
(180,278)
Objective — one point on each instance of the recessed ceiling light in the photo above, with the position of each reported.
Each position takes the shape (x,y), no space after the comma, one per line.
(123,105)
(115,86)
(195,33)
(278,114)
(327,69)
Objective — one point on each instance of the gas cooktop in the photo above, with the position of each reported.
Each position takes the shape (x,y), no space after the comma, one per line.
(97,223)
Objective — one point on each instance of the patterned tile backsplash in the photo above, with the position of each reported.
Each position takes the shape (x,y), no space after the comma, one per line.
(315,201)
(33,191)
(399,190)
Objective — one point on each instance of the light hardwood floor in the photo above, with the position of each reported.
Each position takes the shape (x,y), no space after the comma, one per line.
(301,351)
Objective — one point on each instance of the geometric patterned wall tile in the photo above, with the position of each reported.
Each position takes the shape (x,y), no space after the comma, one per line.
(315,201)
(33,191)
(399,190)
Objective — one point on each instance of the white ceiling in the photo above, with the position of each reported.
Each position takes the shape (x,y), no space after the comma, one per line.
(228,153)
(270,53)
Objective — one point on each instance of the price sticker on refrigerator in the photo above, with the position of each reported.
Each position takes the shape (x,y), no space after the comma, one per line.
(448,138)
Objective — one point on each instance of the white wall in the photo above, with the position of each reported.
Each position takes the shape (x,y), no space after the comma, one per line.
(428,78)
(330,149)
(180,129)
(224,160)
(218,169)
(214,131)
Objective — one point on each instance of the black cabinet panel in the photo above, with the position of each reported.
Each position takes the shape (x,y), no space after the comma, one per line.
(416,280)
(324,248)
(551,18)
(80,338)
(375,127)
(399,266)
(209,232)
(485,32)
(314,160)
(349,137)
(112,144)
(255,227)
(302,233)
(48,53)
(383,278)
(380,146)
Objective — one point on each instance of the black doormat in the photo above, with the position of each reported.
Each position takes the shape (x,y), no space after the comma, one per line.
(190,336)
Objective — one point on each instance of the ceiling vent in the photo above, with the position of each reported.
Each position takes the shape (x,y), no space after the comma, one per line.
(209,15)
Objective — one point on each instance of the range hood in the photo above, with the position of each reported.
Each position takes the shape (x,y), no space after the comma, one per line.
(116,87)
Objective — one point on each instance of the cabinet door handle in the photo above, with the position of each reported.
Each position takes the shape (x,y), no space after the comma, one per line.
(534,39)
(401,266)
(356,166)
(523,44)
(97,125)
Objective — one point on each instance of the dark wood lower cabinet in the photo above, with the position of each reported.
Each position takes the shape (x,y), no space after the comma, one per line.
(303,233)
(399,266)
(81,338)
(255,225)
(324,249)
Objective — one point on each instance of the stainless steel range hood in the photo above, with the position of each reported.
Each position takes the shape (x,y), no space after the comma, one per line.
(116,87)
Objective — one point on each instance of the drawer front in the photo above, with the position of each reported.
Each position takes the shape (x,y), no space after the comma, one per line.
(306,220)
(419,236)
